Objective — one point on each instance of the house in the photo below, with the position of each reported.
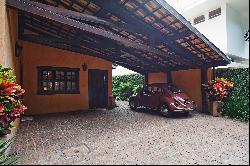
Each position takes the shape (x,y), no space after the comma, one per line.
(62,51)
(223,22)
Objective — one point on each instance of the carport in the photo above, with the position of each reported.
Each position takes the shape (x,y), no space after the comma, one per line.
(146,36)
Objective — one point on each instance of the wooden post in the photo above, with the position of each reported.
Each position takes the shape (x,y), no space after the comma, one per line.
(204,80)
(146,79)
(214,73)
(169,77)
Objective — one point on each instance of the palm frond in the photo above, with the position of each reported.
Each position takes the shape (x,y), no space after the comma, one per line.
(5,159)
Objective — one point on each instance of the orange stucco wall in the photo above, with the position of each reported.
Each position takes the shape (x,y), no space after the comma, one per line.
(2,20)
(190,82)
(35,55)
(157,78)
(8,38)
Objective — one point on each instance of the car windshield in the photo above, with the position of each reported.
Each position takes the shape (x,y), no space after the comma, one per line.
(174,89)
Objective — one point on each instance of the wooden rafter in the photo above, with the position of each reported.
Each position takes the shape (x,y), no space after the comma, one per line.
(124,27)
(86,51)
(116,32)
(36,9)
(103,43)
(159,36)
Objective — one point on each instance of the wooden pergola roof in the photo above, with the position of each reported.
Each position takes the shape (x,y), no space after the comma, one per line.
(141,35)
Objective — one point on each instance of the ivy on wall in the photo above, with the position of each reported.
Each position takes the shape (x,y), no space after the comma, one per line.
(237,106)
(127,85)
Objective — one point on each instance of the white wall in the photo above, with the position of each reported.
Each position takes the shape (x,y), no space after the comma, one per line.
(235,34)
(246,28)
(215,29)
(225,31)
(246,52)
(181,4)
(119,71)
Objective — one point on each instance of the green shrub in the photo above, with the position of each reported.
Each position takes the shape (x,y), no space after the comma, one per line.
(5,159)
(237,106)
(127,85)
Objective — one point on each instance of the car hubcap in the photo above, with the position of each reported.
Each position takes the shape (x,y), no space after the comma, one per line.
(132,104)
(164,110)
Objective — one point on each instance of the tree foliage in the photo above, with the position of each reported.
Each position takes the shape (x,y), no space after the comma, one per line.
(127,85)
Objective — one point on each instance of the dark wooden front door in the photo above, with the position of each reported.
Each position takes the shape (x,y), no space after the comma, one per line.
(98,89)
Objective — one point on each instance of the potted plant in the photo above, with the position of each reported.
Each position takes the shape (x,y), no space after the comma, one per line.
(218,91)
(11,104)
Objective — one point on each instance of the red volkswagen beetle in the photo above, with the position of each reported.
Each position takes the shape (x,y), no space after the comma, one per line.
(163,97)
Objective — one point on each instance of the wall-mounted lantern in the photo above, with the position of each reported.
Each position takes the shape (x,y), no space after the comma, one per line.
(18,50)
(85,67)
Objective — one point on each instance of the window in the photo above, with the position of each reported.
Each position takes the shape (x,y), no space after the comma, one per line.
(215,13)
(57,80)
(174,89)
(199,19)
(157,90)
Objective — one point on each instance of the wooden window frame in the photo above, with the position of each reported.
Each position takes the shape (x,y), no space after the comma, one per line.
(54,79)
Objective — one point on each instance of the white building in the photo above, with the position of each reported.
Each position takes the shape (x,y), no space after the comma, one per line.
(223,22)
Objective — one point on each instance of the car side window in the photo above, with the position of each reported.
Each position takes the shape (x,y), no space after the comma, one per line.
(154,89)
(157,90)
(148,89)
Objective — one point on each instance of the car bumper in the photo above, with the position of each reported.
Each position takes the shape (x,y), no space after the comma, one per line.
(178,109)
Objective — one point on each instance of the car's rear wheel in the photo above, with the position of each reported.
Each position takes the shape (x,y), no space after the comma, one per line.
(164,110)
(132,105)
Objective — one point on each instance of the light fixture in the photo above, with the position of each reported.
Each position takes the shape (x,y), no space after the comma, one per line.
(85,67)
(18,50)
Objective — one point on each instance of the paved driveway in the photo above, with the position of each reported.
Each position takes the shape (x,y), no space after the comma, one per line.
(122,136)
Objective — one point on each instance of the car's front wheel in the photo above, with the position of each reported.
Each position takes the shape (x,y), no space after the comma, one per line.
(132,105)
(164,110)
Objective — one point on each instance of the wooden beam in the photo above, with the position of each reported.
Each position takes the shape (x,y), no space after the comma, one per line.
(88,18)
(169,40)
(159,36)
(21,24)
(169,77)
(158,19)
(104,44)
(204,80)
(146,81)
(61,45)
(214,73)
(181,35)
(38,10)
(197,49)
(153,64)
(191,28)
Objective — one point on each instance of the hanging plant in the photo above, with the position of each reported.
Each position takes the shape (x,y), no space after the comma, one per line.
(11,104)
